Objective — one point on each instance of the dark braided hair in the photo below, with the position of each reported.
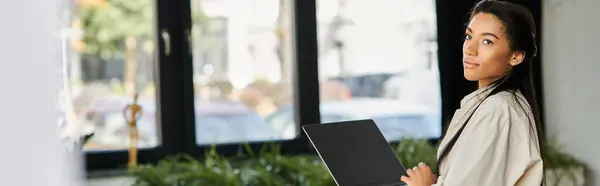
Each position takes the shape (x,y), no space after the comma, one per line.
(520,29)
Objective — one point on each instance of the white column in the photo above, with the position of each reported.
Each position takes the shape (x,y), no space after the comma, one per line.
(30,59)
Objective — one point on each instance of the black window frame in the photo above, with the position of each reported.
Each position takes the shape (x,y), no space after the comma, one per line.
(175,89)
(170,95)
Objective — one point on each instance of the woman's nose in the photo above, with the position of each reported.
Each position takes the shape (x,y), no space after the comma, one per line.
(470,49)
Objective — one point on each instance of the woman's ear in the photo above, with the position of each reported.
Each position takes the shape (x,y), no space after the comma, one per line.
(517,58)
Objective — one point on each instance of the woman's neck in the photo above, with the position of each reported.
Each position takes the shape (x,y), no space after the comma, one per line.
(485,82)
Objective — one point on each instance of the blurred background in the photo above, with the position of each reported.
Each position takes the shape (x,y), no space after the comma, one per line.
(234,75)
(378,62)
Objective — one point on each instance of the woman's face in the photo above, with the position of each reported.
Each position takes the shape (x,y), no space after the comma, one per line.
(486,52)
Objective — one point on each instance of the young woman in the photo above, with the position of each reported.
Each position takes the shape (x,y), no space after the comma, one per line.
(495,136)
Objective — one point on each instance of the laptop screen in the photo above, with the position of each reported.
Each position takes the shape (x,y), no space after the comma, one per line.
(356,153)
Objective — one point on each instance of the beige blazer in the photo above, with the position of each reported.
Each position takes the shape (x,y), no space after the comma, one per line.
(499,145)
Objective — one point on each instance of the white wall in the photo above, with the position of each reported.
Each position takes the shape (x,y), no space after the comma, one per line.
(571,75)
(29,57)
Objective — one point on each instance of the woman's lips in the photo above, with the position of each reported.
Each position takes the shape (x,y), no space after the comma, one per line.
(469,64)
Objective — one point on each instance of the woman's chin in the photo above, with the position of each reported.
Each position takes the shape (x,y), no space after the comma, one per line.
(470,77)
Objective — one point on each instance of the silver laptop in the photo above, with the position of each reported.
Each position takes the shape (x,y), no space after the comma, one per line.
(356,153)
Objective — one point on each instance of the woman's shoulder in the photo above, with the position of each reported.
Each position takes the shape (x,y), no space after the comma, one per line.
(507,99)
(511,109)
(506,104)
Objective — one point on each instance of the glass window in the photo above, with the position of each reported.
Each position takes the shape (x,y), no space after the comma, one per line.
(377,60)
(108,55)
(242,62)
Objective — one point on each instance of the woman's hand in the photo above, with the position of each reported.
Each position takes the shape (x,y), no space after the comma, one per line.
(419,176)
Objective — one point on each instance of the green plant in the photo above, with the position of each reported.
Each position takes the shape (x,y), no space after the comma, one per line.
(555,158)
(269,167)
(562,164)
(186,170)
(277,169)
(412,151)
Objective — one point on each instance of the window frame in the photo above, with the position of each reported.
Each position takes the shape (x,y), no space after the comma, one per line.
(306,99)
(175,88)
(167,93)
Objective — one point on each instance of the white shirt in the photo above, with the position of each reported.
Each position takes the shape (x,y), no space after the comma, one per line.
(499,145)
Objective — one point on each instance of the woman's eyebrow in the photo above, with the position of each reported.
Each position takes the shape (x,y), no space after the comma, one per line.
(484,34)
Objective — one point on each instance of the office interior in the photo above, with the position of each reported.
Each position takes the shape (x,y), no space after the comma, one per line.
(229,83)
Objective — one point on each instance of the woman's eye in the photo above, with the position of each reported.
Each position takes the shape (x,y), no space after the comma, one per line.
(467,36)
(487,42)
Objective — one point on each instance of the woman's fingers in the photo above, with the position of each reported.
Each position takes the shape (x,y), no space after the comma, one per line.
(405,179)
(419,175)
(424,169)
(411,172)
